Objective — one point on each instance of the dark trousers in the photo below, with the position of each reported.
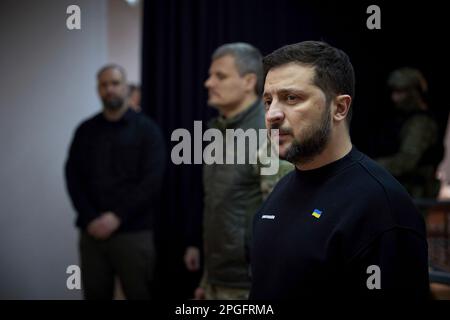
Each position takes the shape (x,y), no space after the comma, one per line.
(130,256)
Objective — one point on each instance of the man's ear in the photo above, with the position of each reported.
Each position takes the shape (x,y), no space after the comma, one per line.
(250,81)
(342,106)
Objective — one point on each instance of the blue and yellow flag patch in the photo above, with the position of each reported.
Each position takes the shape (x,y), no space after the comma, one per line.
(316,213)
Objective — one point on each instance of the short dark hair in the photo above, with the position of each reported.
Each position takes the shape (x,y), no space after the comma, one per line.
(112,66)
(334,72)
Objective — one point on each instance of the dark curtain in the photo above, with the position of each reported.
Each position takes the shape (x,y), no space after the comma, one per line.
(179,37)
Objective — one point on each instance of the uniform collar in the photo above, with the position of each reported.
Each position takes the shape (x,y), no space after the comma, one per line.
(222,123)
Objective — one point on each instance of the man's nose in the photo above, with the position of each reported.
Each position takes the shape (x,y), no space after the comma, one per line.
(110,88)
(274,115)
(208,83)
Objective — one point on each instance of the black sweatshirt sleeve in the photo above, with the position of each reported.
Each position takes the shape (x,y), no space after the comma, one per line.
(76,183)
(401,255)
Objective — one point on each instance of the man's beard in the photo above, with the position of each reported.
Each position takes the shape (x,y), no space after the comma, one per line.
(312,143)
(113,104)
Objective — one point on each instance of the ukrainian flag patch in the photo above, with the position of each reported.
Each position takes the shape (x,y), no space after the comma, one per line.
(316,213)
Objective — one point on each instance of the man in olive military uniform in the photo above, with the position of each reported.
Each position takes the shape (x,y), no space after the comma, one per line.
(419,149)
(232,192)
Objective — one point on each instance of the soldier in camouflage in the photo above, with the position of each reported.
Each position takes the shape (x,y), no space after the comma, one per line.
(419,149)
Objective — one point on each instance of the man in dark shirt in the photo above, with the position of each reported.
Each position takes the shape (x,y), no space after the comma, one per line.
(339,226)
(114,174)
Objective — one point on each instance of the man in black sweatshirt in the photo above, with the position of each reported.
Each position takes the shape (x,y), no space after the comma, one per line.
(339,225)
(114,174)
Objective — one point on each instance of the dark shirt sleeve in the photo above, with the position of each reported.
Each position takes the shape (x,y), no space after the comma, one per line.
(402,257)
(76,181)
(147,191)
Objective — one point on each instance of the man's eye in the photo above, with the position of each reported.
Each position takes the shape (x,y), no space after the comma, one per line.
(267,104)
(291,98)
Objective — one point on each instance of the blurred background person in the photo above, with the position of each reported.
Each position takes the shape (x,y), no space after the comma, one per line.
(418,147)
(114,174)
(233,192)
(134,97)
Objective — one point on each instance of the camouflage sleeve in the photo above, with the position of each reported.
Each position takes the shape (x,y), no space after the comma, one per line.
(268,182)
(417,135)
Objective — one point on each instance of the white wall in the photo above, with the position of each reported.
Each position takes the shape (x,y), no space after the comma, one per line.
(47,87)
(124,37)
